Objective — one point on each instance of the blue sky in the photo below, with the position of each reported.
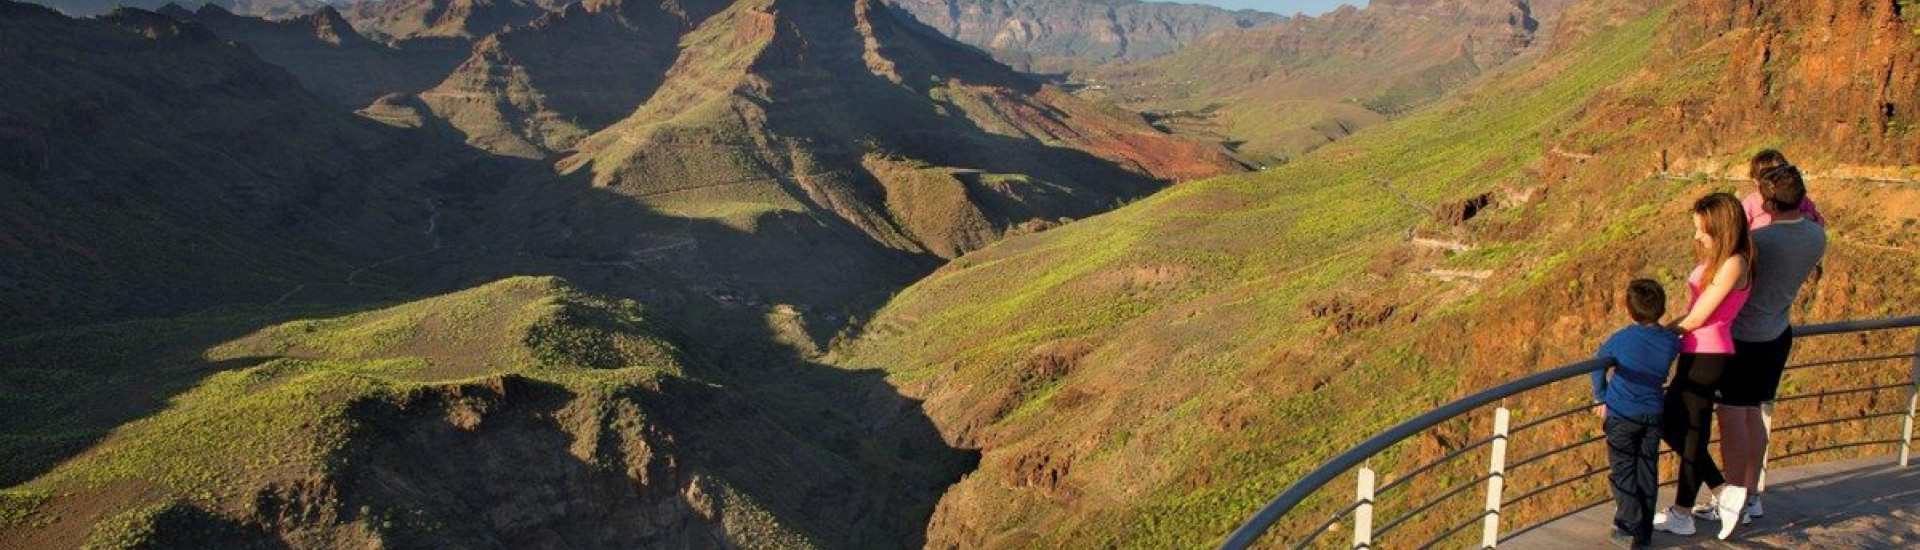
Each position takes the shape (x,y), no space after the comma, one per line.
(1285,7)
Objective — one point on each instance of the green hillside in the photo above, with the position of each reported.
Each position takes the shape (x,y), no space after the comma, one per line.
(1167,367)
(522,412)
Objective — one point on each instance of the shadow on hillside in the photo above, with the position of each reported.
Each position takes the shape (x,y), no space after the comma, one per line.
(838,455)
(520,463)
(889,456)
(182,525)
(862,466)
(62,391)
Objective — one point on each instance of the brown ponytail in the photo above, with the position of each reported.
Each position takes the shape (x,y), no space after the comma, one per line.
(1725,222)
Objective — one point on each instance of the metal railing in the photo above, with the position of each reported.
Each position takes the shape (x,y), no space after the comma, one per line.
(1364,505)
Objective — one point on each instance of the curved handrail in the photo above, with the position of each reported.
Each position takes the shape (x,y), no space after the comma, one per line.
(1294,494)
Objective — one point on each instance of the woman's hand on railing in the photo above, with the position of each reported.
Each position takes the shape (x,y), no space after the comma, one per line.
(1600,410)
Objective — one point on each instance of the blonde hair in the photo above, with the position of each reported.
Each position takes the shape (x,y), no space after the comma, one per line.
(1725,221)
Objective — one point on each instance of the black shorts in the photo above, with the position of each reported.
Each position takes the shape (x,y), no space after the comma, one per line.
(1753,375)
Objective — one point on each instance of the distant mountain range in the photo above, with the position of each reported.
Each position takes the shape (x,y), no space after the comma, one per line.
(1057,36)
(1284,89)
(271,9)
(1048,36)
(1304,82)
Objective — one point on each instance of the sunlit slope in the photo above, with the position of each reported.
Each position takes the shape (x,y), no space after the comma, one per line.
(522,413)
(1149,377)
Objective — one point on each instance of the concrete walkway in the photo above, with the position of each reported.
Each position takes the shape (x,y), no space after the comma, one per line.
(1866,503)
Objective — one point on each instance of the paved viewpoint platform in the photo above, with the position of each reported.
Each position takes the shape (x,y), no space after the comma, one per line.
(1868,503)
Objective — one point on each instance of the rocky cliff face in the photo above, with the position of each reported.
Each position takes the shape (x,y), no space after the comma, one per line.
(1843,76)
(1051,36)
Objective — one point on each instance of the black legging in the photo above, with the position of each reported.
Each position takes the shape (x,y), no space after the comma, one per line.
(1688,426)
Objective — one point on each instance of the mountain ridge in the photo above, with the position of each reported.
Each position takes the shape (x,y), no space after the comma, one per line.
(1056,36)
(267,9)
(1281,90)
(328,55)
(203,150)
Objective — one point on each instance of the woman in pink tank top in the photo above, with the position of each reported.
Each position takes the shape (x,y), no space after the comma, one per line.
(1714,334)
(1716,289)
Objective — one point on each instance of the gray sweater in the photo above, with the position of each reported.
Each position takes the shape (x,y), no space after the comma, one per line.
(1785,253)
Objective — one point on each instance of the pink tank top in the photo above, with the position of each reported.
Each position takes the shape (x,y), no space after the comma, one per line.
(1715,337)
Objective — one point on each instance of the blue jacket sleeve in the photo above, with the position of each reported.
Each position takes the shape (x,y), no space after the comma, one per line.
(1599,377)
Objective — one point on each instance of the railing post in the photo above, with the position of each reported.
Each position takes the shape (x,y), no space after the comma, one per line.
(1913,402)
(1496,479)
(1363,514)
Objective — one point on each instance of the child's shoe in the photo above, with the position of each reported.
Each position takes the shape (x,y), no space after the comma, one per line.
(1674,520)
(1709,510)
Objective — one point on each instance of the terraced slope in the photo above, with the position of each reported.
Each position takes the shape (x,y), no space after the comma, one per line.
(1147,378)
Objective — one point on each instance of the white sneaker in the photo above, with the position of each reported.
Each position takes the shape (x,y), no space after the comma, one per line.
(1673,520)
(1732,499)
(1710,510)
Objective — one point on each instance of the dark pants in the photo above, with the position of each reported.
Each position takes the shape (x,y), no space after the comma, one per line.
(1688,423)
(1633,449)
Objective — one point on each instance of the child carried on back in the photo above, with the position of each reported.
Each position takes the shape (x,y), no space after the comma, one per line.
(1758,217)
(1630,400)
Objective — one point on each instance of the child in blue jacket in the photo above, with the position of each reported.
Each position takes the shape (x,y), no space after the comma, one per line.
(1629,393)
